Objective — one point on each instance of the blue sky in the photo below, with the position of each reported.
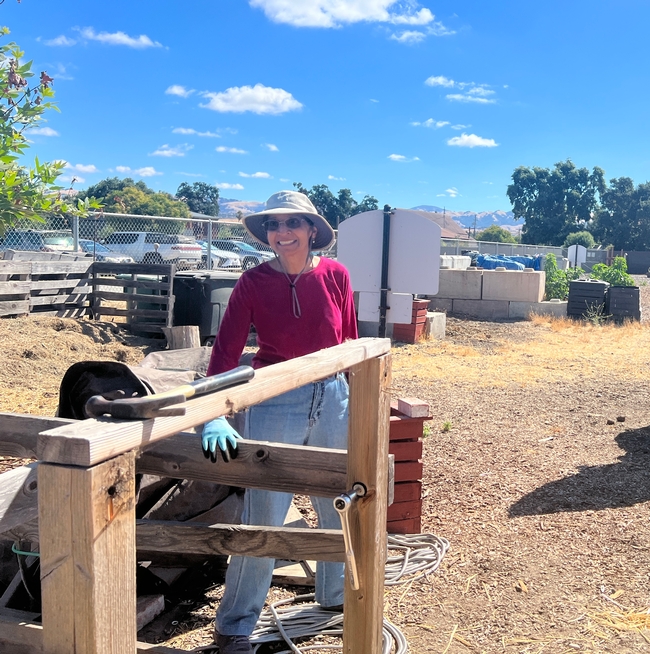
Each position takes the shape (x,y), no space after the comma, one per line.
(415,103)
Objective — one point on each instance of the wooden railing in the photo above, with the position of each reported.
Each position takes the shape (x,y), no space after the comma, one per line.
(88,535)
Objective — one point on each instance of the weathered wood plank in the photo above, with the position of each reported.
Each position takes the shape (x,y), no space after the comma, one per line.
(132,297)
(68,284)
(368,464)
(87,545)
(70,311)
(15,288)
(60,267)
(102,268)
(212,540)
(51,300)
(19,433)
(13,307)
(18,496)
(19,634)
(132,283)
(90,441)
(271,466)
(131,313)
(15,268)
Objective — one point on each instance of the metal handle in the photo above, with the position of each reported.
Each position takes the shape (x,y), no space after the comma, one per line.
(342,504)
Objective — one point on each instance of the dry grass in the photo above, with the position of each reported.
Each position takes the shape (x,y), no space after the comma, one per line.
(557,347)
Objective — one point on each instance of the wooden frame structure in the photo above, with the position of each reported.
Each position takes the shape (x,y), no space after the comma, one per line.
(86,504)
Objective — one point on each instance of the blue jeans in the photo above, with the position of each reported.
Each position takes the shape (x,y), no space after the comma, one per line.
(315,415)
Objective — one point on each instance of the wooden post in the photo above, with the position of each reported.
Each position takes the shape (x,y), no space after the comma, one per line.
(368,463)
(182,337)
(87,543)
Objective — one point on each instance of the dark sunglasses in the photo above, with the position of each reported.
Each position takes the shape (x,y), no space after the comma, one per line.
(273,225)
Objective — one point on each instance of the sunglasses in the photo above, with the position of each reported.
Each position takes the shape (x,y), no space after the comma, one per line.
(273,225)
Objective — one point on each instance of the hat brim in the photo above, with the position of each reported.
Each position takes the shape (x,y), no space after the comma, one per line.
(254,226)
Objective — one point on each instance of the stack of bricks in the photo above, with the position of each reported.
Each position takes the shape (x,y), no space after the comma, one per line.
(414,331)
(407,417)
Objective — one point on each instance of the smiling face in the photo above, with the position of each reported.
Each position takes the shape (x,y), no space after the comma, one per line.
(291,242)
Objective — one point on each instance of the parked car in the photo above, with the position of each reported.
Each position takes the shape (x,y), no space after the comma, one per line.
(156,248)
(249,255)
(221,259)
(24,239)
(58,240)
(102,253)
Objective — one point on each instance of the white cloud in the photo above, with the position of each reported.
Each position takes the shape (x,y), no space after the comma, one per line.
(284,179)
(82,168)
(271,147)
(61,41)
(180,91)
(146,171)
(373,100)
(190,174)
(223,148)
(334,13)
(256,175)
(459,97)
(119,38)
(459,126)
(44,131)
(226,185)
(480,90)
(338,179)
(402,158)
(409,37)
(258,99)
(188,131)
(167,151)
(452,192)
(431,123)
(439,80)
(472,141)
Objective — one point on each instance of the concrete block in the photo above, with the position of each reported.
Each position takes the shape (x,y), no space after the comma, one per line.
(523,310)
(413,407)
(513,285)
(482,309)
(455,261)
(440,304)
(148,608)
(460,284)
(436,325)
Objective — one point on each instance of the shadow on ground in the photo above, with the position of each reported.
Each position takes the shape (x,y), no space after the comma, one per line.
(594,488)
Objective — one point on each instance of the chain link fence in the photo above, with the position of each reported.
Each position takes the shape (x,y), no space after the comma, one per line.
(127,238)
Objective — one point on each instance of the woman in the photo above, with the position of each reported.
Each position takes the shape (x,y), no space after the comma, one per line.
(299,303)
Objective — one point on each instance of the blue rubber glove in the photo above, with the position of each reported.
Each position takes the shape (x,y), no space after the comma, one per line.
(218,434)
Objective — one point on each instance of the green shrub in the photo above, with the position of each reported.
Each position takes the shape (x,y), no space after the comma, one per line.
(616,274)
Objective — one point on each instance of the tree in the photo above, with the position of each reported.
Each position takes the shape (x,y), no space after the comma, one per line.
(25,192)
(579,238)
(127,196)
(200,197)
(335,209)
(554,203)
(624,218)
(496,234)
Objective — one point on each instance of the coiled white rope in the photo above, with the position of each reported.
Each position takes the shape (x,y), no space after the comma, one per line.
(419,554)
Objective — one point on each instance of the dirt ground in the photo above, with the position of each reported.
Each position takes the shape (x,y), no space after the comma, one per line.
(537,470)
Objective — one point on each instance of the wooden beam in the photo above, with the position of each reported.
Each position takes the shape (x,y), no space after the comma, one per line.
(368,464)
(241,540)
(90,441)
(20,634)
(133,283)
(87,545)
(270,466)
(19,433)
(18,497)
(60,267)
(103,268)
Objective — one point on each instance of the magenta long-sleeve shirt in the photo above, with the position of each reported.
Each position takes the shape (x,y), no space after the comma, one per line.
(262,297)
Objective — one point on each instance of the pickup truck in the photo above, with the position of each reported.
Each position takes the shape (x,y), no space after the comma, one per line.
(156,248)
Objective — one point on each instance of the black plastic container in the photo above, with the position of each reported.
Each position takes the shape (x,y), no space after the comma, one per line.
(587,297)
(623,303)
(201,299)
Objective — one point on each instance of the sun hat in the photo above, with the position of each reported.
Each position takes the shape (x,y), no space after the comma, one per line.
(287,203)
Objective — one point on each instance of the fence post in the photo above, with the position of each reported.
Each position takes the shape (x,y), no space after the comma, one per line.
(75,233)
(368,463)
(88,560)
(208,263)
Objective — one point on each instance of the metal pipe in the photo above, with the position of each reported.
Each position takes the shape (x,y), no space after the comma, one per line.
(383,291)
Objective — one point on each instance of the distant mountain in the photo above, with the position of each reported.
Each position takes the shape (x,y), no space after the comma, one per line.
(228,208)
(479,220)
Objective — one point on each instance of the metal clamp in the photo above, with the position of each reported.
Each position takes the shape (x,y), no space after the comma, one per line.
(342,504)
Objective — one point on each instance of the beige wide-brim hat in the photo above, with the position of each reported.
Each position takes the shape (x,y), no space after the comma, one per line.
(286,203)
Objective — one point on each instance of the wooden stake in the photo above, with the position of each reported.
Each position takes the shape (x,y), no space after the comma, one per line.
(182,337)
(368,464)
(87,543)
